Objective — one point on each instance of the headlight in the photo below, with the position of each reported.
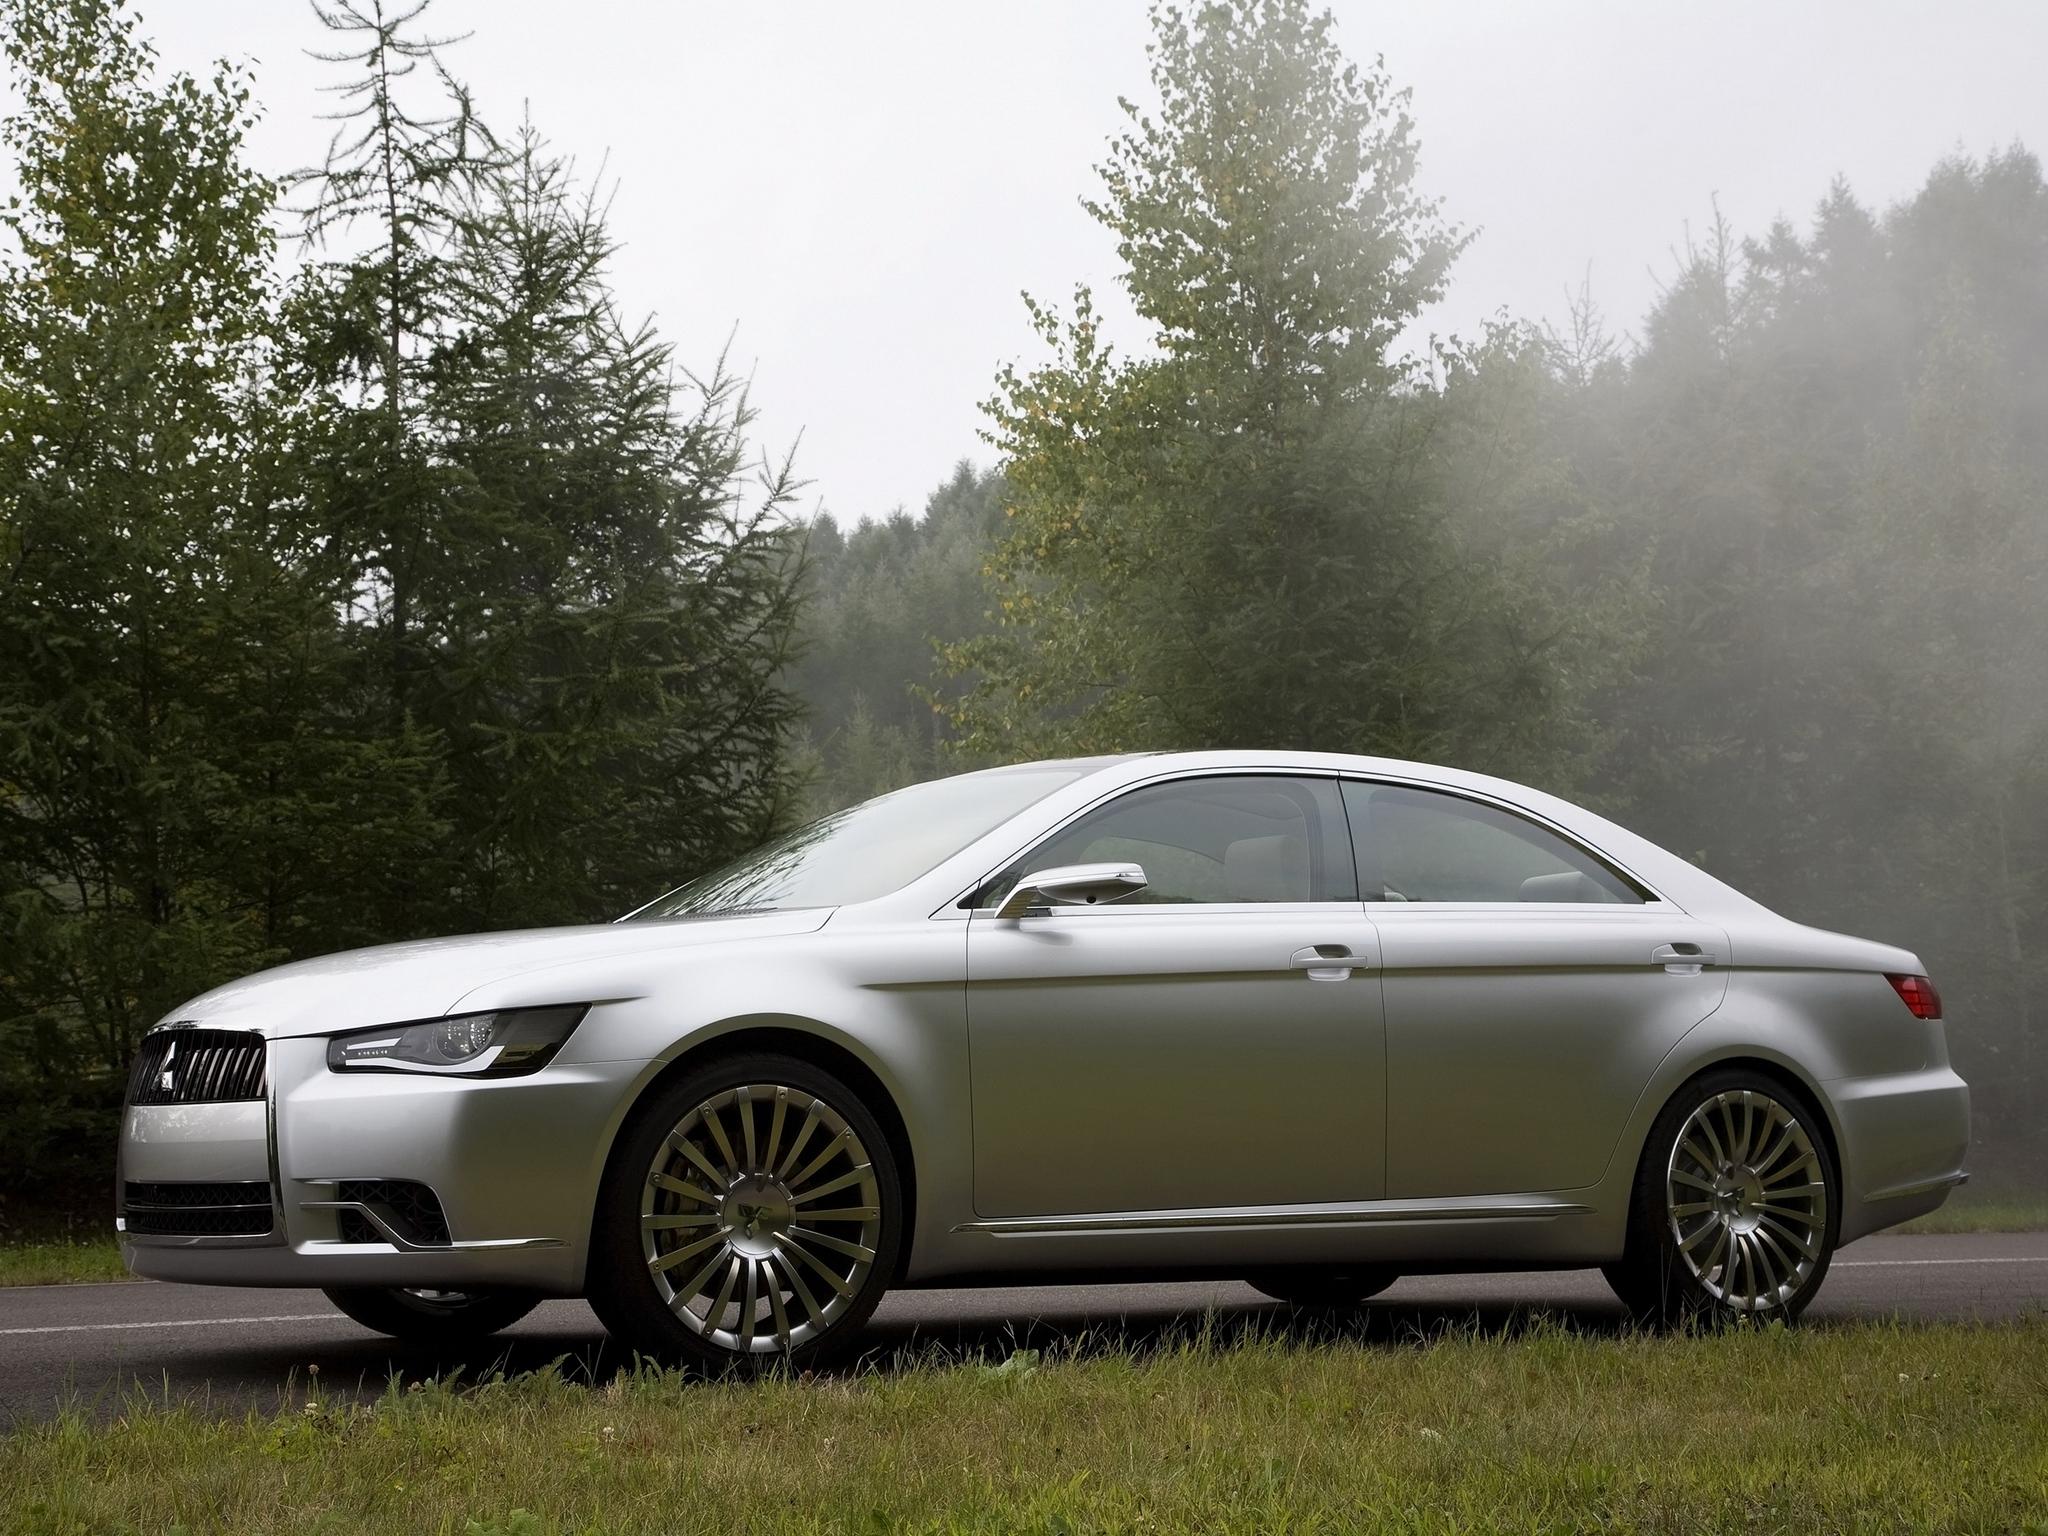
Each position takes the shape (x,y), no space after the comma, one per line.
(503,1044)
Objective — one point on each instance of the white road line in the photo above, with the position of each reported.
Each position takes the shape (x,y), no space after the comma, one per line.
(183,1322)
(2017,1258)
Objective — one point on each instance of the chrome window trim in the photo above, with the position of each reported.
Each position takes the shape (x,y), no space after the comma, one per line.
(958,902)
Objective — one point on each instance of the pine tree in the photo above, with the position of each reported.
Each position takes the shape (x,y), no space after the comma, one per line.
(610,612)
(173,773)
(1828,458)
(574,583)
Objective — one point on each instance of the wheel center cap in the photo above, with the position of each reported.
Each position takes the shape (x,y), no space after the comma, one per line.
(755,1212)
(1739,1198)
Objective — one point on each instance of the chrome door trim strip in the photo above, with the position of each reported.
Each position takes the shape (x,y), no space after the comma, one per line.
(1260,1218)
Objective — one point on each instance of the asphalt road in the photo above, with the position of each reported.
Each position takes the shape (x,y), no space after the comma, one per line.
(95,1345)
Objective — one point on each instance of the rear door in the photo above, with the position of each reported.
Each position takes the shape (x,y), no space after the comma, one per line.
(1531,990)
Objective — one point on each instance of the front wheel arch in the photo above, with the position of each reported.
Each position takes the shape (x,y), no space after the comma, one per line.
(784,1040)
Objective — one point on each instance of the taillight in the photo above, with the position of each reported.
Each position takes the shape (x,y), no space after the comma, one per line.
(1918,994)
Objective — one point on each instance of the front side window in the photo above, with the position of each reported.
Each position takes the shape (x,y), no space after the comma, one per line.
(1421,845)
(1264,838)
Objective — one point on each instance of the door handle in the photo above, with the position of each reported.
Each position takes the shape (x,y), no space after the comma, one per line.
(1325,962)
(1681,959)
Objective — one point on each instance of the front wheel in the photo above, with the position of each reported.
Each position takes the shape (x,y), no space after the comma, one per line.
(421,1316)
(1735,1209)
(753,1212)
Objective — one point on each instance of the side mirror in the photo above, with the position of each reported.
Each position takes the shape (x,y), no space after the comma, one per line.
(1080,884)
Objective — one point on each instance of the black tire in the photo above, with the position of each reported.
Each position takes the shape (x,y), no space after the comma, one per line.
(813,1260)
(430,1316)
(1718,1233)
(1322,1285)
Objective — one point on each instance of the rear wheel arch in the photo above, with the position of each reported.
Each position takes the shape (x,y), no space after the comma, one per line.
(1635,1138)
(1654,1276)
(1808,1094)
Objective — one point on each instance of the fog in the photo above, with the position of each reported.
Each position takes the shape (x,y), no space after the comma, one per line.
(856,195)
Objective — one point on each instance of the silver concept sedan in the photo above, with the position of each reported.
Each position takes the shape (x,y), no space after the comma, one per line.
(1308,1020)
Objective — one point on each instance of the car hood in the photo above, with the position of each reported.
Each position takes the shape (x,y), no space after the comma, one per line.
(429,977)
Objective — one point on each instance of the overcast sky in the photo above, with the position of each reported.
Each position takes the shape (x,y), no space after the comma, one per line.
(856,193)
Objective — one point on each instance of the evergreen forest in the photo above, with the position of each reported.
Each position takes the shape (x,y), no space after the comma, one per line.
(367,573)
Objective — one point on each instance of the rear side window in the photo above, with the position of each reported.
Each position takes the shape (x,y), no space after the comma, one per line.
(1224,839)
(1420,845)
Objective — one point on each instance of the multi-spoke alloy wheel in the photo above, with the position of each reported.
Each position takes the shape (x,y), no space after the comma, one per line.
(763,1216)
(1734,1212)
(1746,1200)
(760,1218)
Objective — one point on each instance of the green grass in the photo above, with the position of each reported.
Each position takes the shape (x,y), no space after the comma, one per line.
(1855,1429)
(63,1262)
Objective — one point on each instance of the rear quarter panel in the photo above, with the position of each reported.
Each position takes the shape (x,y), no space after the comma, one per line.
(1817,1006)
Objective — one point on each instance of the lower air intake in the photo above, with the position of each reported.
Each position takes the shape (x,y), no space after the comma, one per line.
(410,1208)
(197,1210)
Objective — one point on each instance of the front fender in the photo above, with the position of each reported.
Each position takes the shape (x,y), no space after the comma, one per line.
(890,993)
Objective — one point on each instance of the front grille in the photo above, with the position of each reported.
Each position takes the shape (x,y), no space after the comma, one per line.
(197,1066)
(197,1210)
(410,1207)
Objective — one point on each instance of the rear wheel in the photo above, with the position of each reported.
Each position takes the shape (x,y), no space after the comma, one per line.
(753,1213)
(433,1317)
(1322,1285)
(1736,1207)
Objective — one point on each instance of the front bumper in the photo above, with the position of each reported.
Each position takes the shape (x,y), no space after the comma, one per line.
(514,1163)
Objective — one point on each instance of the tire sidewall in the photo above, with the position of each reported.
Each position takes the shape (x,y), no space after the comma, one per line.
(618,1287)
(1658,1285)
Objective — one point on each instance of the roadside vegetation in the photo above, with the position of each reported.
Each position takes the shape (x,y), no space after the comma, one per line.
(68,1261)
(1855,1429)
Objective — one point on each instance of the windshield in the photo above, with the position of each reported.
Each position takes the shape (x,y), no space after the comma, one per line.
(870,850)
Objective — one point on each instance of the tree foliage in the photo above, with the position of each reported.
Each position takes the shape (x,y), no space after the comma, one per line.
(570,580)
(419,594)
(1828,457)
(879,600)
(1240,538)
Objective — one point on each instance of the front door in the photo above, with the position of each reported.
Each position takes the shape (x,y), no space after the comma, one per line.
(1531,991)
(1213,1041)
